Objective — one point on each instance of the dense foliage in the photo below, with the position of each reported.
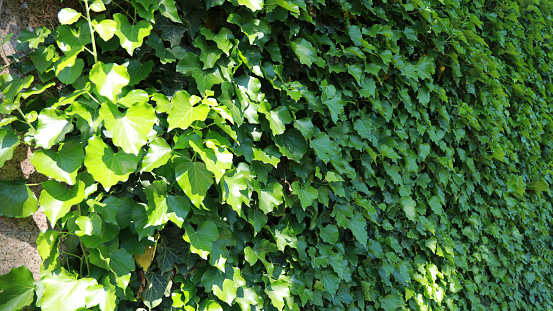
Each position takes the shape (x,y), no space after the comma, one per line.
(286,155)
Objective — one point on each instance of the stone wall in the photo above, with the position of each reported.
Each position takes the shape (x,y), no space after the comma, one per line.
(18,236)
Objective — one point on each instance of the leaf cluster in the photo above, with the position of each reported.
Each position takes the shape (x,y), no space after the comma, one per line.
(286,155)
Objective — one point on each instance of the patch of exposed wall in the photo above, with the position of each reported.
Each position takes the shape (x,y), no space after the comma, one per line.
(18,236)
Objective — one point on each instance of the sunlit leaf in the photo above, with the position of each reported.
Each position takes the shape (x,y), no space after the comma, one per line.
(17,199)
(18,289)
(106,166)
(131,36)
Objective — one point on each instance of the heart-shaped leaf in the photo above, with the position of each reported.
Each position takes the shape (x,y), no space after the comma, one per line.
(109,79)
(8,142)
(130,129)
(17,199)
(62,164)
(18,289)
(131,36)
(106,166)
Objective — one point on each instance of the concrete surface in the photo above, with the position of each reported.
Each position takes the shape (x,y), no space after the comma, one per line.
(18,236)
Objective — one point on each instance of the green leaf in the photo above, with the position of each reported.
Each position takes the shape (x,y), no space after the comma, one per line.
(324,147)
(393,171)
(391,302)
(131,36)
(278,290)
(291,144)
(190,65)
(424,151)
(121,262)
(68,16)
(224,286)
(62,164)
(333,176)
(159,153)
(52,127)
(216,161)
(11,86)
(235,189)
(210,305)
(539,185)
(130,129)
(169,10)
(89,225)
(47,242)
(170,31)
(270,196)
(307,195)
(164,207)
(108,209)
(99,295)
(193,178)
(106,28)
(257,219)
(72,41)
(223,39)
(184,113)
(426,67)
(165,55)
(436,205)
(278,117)
(305,126)
(329,279)
(8,143)
(18,289)
(44,57)
(409,207)
(268,156)
(158,285)
(254,5)
(106,166)
(109,79)
(332,98)
(170,252)
(133,97)
(64,291)
(249,299)
(97,6)
(306,53)
(17,199)
(56,200)
(68,69)
(138,71)
(289,5)
(330,234)
(201,240)
(358,226)
(209,55)
(285,236)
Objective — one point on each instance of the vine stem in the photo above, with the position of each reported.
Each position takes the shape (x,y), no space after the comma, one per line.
(94,52)
(85,256)
(26,121)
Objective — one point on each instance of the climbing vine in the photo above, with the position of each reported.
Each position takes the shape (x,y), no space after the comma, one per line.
(286,155)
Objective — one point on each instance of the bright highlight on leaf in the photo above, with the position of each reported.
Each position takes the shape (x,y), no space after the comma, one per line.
(109,79)
(185,112)
(68,16)
(105,165)
(130,128)
(17,199)
(131,36)
(18,289)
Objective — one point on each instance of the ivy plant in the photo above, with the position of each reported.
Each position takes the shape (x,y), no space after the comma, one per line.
(285,155)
